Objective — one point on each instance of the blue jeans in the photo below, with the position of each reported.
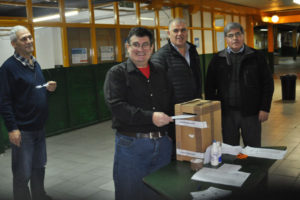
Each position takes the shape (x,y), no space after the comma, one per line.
(28,164)
(134,159)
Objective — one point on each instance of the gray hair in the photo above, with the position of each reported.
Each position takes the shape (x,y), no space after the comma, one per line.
(13,32)
(233,25)
(176,21)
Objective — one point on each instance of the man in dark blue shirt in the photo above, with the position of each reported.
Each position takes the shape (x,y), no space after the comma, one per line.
(24,107)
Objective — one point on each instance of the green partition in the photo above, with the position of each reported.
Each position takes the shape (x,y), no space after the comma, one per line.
(77,102)
(101,70)
(82,96)
(59,115)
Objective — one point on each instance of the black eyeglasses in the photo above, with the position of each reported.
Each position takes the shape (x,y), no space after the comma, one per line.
(231,35)
(136,45)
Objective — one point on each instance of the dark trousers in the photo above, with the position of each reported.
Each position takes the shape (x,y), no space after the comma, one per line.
(28,164)
(234,125)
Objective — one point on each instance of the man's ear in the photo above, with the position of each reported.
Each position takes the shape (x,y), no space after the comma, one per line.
(127,45)
(13,43)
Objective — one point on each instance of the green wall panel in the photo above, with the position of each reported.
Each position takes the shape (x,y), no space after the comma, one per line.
(101,70)
(58,118)
(82,96)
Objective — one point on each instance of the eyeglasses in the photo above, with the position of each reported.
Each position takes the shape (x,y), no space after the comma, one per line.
(231,35)
(136,45)
(183,30)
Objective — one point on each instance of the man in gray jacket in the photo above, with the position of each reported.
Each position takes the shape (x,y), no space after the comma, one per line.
(241,79)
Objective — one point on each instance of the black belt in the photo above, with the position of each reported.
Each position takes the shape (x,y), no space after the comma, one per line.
(150,135)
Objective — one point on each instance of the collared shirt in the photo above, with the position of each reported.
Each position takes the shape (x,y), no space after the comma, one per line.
(187,52)
(229,50)
(25,61)
(132,98)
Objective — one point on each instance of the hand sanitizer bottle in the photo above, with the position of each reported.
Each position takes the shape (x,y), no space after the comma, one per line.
(214,155)
(219,152)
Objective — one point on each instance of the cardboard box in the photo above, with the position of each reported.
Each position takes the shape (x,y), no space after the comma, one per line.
(194,135)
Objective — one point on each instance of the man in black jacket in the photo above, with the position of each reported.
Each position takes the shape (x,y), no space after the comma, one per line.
(182,64)
(241,79)
(138,94)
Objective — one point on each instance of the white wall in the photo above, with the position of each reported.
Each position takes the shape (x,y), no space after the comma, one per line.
(48,47)
(6,49)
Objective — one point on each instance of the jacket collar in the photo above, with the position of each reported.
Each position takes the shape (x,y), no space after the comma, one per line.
(190,44)
(224,53)
(131,66)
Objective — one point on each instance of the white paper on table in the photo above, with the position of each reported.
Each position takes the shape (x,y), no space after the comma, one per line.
(229,149)
(234,178)
(264,153)
(210,193)
(183,116)
(229,167)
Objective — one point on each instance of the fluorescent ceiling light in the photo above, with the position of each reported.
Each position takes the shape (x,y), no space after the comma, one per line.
(56,16)
(263,29)
(296,1)
(147,18)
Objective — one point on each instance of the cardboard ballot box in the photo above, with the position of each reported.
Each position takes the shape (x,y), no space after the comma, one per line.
(195,134)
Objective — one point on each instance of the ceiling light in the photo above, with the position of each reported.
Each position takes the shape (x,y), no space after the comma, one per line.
(263,29)
(147,18)
(296,1)
(275,18)
(56,16)
(266,19)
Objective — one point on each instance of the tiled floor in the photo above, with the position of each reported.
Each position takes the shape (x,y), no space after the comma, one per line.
(80,162)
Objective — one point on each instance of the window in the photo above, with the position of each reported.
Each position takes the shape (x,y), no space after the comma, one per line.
(104,14)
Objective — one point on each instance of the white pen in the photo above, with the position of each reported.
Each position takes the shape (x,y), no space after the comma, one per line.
(40,86)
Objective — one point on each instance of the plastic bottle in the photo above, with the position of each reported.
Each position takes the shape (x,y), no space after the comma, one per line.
(219,152)
(214,155)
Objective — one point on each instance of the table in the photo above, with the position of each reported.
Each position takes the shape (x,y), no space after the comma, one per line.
(174,180)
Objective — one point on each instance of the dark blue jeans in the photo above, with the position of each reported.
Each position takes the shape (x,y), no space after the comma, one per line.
(28,164)
(134,159)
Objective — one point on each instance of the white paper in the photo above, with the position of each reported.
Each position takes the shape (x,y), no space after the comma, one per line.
(41,86)
(189,153)
(229,149)
(229,167)
(234,178)
(210,193)
(264,153)
(182,116)
(190,123)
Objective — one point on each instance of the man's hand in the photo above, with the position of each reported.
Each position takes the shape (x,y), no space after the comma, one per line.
(15,137)
(160,119)
(51,86)
(263,116)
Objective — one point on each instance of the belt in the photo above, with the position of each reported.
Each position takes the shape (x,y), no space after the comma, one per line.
(150,135)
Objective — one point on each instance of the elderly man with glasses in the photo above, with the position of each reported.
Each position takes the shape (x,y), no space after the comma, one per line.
(241,79)
(138,94)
